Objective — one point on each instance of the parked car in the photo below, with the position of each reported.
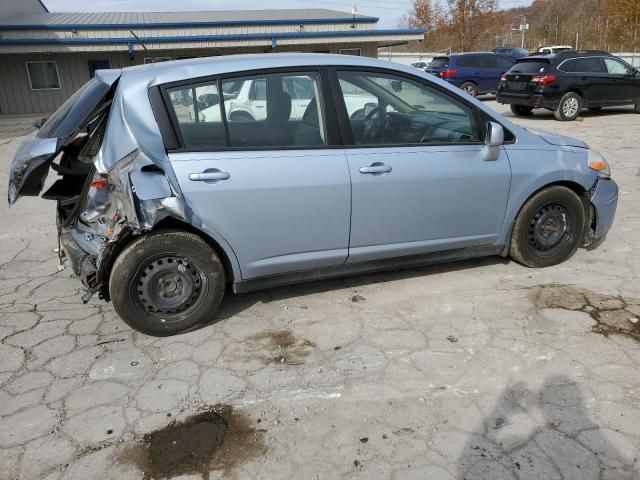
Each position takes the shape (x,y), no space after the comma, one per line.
(569,81)
(159,212)
(420,65)
(552,49)
(475,73)
(513,52)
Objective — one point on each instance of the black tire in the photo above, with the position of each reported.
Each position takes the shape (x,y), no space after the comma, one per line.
(521,110)
(167,282)
(471,88)
(569,107)
(549,228)
(241,117)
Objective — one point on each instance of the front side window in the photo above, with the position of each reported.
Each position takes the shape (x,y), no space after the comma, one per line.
(616,66)
(390,110)
(43,75)
(283,109)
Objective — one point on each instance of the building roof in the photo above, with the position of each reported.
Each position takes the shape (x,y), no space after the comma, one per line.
(79,20)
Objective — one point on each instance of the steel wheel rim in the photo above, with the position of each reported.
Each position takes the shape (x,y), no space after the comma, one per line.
(570,107)
(470,90)
(170,285)
(549,230)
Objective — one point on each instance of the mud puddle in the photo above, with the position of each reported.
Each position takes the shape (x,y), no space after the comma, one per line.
(216,439)
(612,314)
(272,347)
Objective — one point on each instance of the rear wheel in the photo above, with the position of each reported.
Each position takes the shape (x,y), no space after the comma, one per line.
(471,88)
(549,228)
(569,107)
(521,110)
(167,282)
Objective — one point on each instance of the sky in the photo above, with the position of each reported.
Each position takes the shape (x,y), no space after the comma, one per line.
(389,11)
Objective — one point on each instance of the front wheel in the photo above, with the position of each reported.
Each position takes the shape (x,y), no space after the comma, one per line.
(167,282)
(549,228)
(569,107)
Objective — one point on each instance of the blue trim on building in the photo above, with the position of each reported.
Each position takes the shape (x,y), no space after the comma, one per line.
(223,23)
(205,38)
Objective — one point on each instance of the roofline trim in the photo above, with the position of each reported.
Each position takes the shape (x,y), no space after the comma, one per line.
(44,6)
(221,23)
(205,38)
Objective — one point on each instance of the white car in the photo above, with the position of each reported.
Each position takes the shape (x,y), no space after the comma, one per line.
(553,49)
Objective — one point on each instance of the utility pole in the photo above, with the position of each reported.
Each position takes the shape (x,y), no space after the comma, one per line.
(524,26)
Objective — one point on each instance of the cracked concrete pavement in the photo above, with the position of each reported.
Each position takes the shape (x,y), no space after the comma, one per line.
(477,370)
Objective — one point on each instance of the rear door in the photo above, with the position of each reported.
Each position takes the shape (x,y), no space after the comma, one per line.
(278,189)
(589,76)
(30,164)
(419,181)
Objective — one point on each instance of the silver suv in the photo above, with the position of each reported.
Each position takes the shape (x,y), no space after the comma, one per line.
(161,207)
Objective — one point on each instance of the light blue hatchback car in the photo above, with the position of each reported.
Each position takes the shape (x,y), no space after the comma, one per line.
(178,178)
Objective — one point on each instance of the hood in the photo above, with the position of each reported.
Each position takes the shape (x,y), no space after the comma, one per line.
(556,139)
(30,164)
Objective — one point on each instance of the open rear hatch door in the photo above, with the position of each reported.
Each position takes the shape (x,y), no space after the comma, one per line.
(31,162)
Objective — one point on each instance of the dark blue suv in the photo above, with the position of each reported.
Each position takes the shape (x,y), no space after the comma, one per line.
(513,52)
(475,73)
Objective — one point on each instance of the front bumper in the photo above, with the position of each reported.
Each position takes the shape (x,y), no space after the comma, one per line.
(82,263)
(605,201)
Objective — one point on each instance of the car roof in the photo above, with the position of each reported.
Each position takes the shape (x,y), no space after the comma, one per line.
(219,65)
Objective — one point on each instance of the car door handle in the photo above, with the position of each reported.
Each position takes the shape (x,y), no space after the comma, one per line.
(209,176)
(376,168)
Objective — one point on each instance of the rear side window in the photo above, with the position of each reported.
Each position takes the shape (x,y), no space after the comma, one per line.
(439,62)
(589,65)
(468,61)
(503,62)
(530,66)
(271,110)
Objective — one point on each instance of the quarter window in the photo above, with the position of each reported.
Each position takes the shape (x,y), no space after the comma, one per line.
(390,110)
(197,111)
(43,75)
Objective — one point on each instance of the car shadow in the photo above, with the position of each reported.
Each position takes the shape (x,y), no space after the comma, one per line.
(544,114)
(234,304)
(548,434)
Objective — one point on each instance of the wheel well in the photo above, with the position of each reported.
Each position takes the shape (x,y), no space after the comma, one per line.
(574,187)
(165,224)
(578,91)
(174,223)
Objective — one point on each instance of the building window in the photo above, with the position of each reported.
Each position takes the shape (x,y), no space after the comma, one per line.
(156,59)
(351,51)
(43,75)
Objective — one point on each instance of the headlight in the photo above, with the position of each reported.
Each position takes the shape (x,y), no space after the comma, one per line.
(597,162)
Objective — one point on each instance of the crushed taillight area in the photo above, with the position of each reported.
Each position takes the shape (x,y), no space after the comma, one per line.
(448,73)
(100,183)
(543,79)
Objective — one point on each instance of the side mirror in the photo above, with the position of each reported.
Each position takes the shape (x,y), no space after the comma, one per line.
(39,122)
(493,140)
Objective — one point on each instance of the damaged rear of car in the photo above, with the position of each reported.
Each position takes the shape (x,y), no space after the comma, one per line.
(110,189)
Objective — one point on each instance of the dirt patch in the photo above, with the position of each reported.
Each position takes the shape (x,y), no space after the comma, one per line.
(271,347)
(216,439)
(612,314)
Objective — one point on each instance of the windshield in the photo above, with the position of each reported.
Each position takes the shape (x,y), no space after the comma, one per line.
(75,111)
(530,66)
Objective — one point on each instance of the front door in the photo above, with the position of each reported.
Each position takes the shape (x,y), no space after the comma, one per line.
(419,181)
(268,187)
(624,83)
